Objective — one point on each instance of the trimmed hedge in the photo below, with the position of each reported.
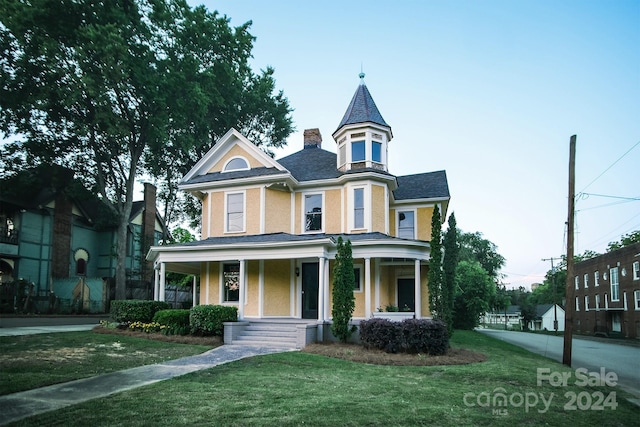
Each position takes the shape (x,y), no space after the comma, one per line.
(207,319)
(409,336)
(176,321)
(132,310)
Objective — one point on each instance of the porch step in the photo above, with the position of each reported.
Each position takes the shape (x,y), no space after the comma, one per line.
(269,335)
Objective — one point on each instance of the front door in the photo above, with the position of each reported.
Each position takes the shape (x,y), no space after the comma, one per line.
(310,280)
(406,294)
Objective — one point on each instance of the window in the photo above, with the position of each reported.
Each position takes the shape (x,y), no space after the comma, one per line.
(586,281)
(615,285)
(577,303)
(586,303)
(313,212)
(636,270)
(376,152)
(357,282)
(406,227)
(235,212)
(235,164)
(357,151)
(231,277)
(342,155)
(597,301)
(358,208)
(636,298)
(577,280)
(596,278)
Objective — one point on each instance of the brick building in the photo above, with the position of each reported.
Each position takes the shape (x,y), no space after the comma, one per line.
(607,292)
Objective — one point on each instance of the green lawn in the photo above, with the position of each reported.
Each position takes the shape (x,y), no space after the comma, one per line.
(293,389)
(33,361)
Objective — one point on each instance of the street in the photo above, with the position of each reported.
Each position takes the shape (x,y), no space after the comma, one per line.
(624,360)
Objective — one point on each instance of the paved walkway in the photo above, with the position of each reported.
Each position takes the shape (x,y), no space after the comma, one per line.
(33,402)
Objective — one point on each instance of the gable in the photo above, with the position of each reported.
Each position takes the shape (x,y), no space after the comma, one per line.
(231,145)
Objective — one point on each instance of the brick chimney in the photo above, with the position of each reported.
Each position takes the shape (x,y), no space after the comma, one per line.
(312,138)
(148,227)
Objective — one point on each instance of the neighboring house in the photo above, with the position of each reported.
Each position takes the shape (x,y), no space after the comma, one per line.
(607,293)
(546,315)
(269,227)
(510,317)
(57,243)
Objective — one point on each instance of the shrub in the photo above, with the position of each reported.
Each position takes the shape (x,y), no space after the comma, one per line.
(382,334)
(175,320)
(409,336)
(136,310)
(425,336)
(207,319)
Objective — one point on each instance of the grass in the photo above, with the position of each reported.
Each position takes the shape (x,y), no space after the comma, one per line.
(33,361)
(292,389)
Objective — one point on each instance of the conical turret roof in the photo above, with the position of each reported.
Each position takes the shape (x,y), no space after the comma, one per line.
(362,109)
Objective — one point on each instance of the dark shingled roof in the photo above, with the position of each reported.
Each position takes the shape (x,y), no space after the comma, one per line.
(422,186)
(223,176)
(283,237)
(541,309)
(311,164)
(362,109)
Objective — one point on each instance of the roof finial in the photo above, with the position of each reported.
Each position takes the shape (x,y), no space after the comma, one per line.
(361,75)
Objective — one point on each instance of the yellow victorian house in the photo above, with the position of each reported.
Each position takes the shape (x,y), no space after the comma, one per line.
(270,227)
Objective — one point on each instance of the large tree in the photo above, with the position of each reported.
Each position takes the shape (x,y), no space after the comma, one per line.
(449,265)
(122,88)
(474,290)
(474,247)
(434,276)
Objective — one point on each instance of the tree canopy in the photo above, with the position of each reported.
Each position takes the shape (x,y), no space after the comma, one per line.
(474,247)
(122,88)
(474,290)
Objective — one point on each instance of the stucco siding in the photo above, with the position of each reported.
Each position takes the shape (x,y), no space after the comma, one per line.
(392,222)
(333,209)
(252,289)
(216,215)
(252,211)
(424,223)
(277,288)
(378,208)
(277,211)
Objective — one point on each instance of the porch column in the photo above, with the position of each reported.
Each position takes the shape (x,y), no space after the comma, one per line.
(156,283)
(321,289)
(195,287)
(327,299)
(376,269)
(367,288)
(162,281)
(242,291)
(418,308)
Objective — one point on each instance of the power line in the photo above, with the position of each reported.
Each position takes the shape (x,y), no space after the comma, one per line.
(612,165)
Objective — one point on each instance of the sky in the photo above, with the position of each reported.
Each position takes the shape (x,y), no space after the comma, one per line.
(490,91)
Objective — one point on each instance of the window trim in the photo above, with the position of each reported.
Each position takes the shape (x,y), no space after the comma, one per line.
(616,284)
(373,144)
(636,299)
(225,167)
(304,212)
(636,270)
(586,303)
(597,301)
(596,278)
(354,209)
(226,211)
(364,152)
(415,214)
(586,280)
(577,303)
(360,288)
(577,281)
(223,291)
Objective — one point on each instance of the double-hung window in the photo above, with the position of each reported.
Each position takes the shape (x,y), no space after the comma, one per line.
(376,152)
(577,280)
(597,301)
(235,213)
(586,281)
(615,285)
(596,278)
(636,298)
(358,208)
(636,270)
(313,212)
(357,278)
(406,225)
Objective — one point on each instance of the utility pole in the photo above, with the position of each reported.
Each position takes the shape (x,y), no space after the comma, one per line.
(570,308)
(555,293)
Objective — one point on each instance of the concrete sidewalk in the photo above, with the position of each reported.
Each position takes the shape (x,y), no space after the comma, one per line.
(32,402)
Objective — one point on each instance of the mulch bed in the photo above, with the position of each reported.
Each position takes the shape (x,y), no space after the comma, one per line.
(348,351)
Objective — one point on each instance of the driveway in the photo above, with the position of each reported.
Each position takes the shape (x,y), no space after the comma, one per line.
(593,355)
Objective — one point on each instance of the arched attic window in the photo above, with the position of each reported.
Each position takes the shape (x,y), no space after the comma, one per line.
(236,164)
